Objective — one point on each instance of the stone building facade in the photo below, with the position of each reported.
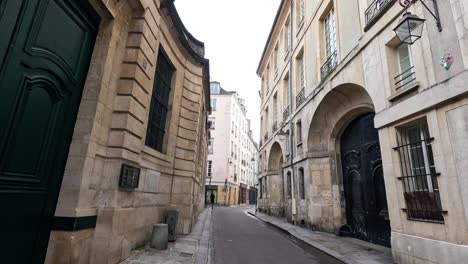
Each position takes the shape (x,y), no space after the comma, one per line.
(363,135)
(109,131)
(232,152)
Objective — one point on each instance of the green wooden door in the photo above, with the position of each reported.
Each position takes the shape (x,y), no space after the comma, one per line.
(45,51)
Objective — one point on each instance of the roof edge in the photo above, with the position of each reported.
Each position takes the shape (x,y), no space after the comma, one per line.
(275,21)
(194,47)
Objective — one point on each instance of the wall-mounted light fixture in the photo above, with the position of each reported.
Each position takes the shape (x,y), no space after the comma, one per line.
(410,27)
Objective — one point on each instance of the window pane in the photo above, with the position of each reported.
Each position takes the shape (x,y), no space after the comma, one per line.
(159,103)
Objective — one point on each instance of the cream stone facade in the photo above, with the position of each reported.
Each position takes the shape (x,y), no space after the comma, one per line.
(232,152)
(362,135)
(111,130)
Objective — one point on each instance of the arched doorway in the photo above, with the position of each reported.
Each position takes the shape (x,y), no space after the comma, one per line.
(366,202)
(275,182)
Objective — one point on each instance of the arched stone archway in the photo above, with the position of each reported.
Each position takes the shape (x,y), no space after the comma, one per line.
(275,158)
(331,120)
(275,181)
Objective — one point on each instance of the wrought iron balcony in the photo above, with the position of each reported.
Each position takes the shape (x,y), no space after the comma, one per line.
(300,98)
(405,79)
(274,127)
(329,65)
(265,137)
(286,114)
(376,10)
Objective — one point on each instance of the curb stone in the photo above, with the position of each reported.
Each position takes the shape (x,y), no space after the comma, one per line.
(315,245)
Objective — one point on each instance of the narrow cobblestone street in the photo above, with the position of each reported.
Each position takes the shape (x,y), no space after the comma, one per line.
(241,238)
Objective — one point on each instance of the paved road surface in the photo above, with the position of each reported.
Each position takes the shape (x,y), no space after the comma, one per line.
(239,238)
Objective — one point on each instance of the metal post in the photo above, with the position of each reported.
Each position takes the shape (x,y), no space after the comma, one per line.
(291,124)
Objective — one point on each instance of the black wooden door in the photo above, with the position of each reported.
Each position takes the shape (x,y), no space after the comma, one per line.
(366,202)
(45,50)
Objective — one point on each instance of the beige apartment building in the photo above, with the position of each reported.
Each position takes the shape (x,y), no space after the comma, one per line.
(232,153)
(104,106)
(364,135)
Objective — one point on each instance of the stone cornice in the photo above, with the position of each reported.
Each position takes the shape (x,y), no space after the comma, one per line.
(194,47)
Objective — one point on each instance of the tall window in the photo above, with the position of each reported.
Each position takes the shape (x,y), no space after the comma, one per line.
(289,185)
(330,34)
(210,164)
(287,39)
(301,71)
(212,121)
(213,104)
(275,59)
(215,88)
(406,69)
(267,78)
(419,175)
(300,12)
(301,184)
(159,103)
(299,131)
(275,109)
(211,146)
(261,188)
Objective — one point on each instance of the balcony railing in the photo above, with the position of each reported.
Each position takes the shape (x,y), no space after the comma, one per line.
(376,10)
(300,98)
(405,79)
(286,114)
(329,65)
(265,137)
(274,127)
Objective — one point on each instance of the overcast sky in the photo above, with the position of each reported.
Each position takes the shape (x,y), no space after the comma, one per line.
(234,33)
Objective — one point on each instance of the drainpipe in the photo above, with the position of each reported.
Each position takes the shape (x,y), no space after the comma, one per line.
(291,124)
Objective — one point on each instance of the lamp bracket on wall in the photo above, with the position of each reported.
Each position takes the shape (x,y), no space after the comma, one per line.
(435,13)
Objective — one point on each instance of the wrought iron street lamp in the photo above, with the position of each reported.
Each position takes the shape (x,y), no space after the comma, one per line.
(410,27)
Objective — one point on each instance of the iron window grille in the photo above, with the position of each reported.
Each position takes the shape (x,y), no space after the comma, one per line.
(419,175)
(300,98)
(329,65)
(159,103)
(405,79)
(286,113)
(375,10)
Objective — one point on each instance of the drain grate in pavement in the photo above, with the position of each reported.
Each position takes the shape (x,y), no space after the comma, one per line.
(182,254)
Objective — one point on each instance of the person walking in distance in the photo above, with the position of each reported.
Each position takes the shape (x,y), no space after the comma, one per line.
(212,197)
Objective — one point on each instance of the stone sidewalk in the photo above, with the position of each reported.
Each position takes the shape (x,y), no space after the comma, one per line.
(348,250)
(190,249)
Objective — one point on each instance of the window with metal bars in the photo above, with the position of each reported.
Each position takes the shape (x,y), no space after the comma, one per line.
(289,185)
(419,175)
(159,103)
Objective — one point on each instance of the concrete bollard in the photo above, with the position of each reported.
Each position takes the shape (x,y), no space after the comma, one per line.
(159,237)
